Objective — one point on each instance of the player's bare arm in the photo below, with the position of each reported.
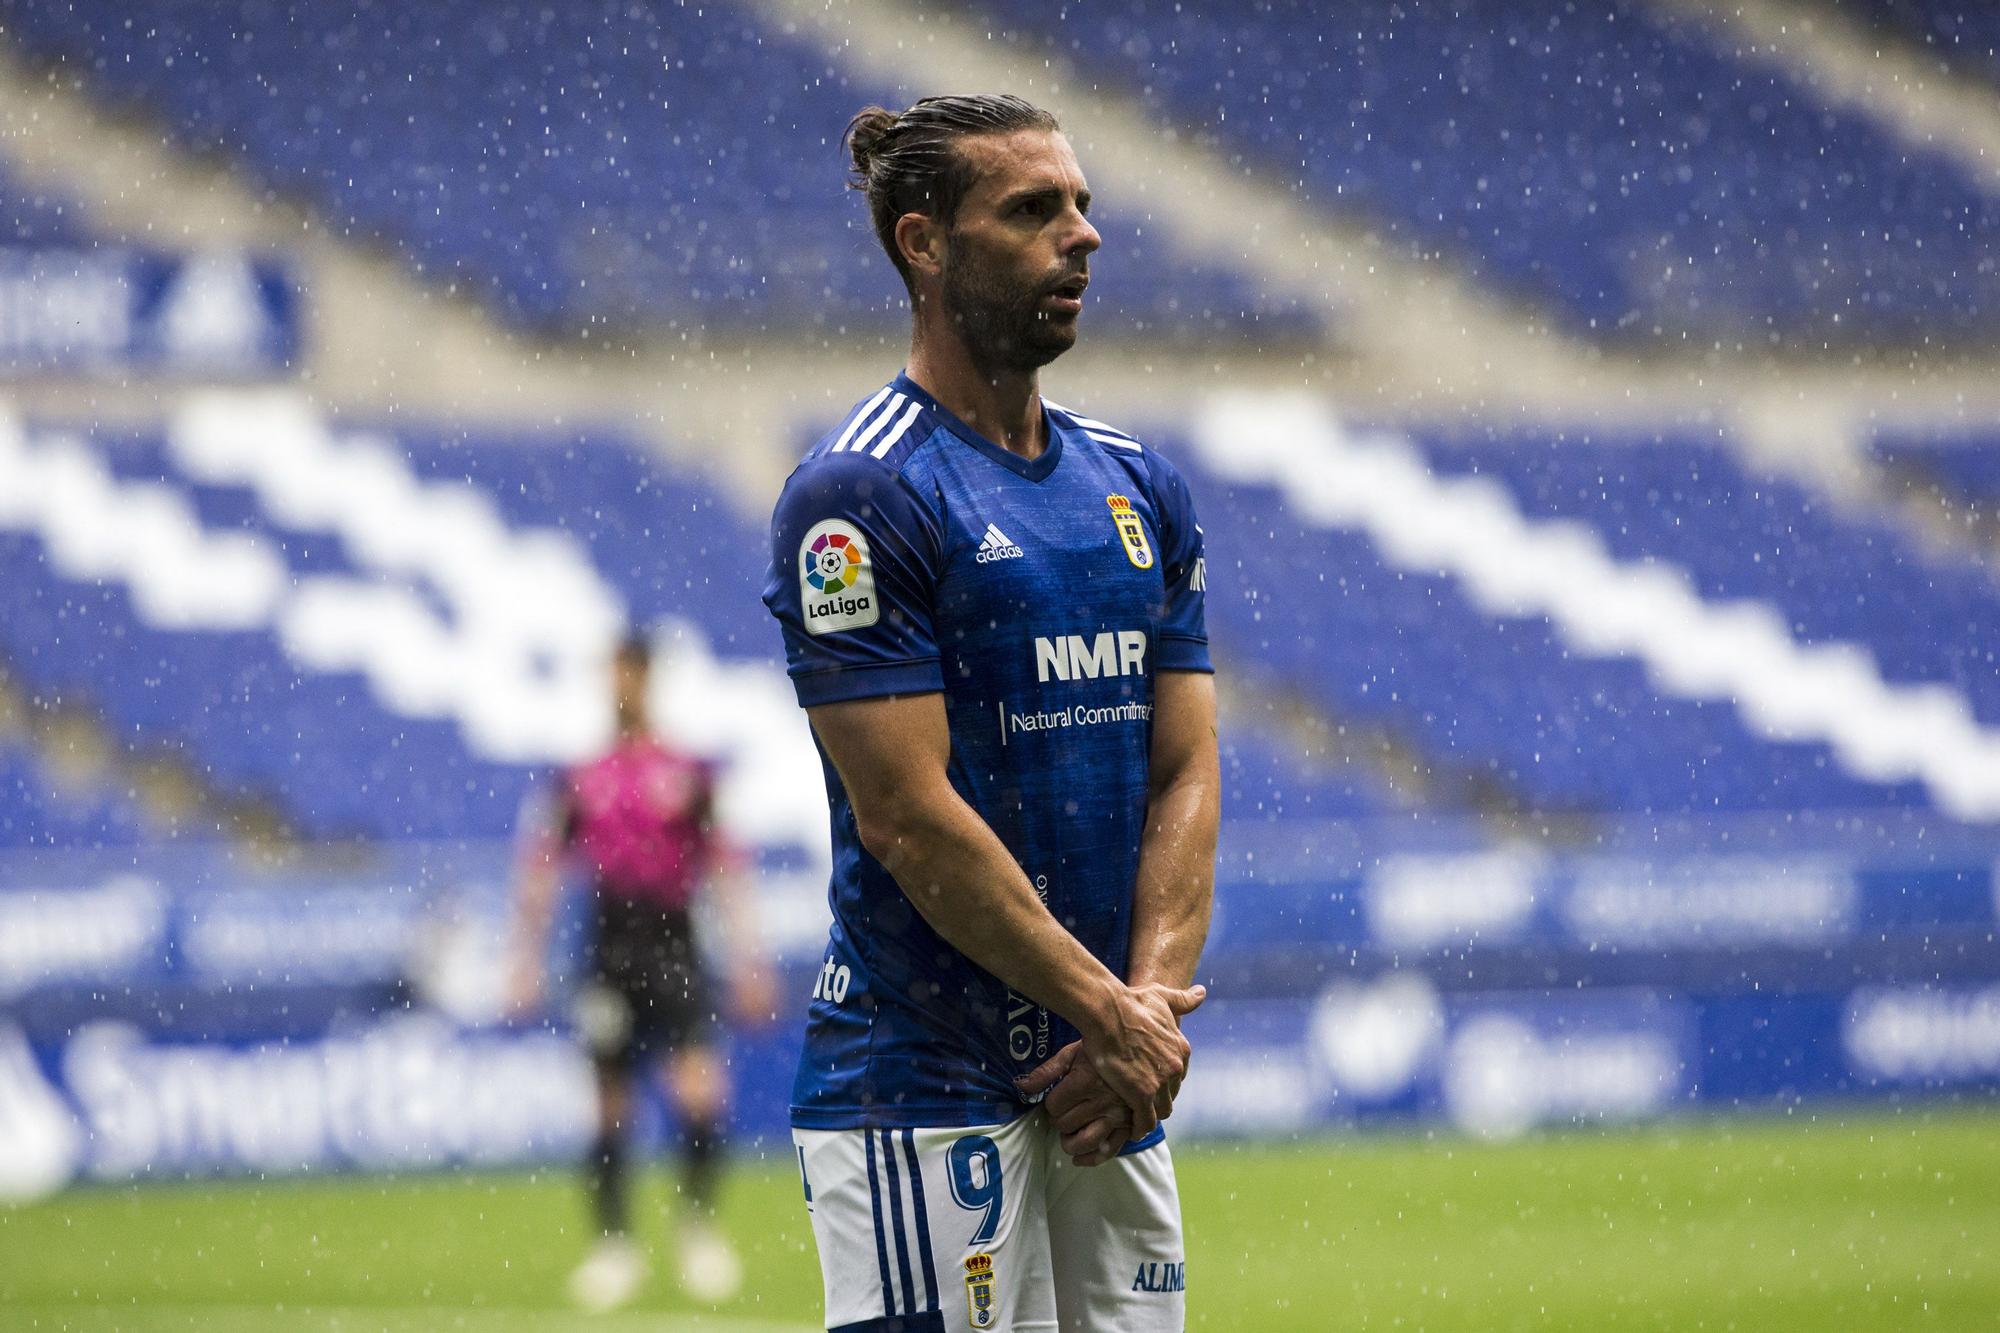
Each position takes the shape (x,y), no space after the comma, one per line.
(1171,904)
(1176,884)
(537,880)
(892,754)
(753,994)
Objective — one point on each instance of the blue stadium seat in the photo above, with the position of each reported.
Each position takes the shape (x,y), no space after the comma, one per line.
(336,758)
(1293,603)
(1964,34)
(1835,576)
(1266,778)
(36,811)
(564,164)
(1963,465)
(37,218)
(1629,170)
(668,539)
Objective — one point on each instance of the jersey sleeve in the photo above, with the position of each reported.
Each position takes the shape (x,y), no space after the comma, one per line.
(853,578)
(1183,634)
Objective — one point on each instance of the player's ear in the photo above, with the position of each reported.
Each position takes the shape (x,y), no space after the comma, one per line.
(921,241)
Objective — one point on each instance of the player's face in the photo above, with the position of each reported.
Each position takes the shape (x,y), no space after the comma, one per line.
(1019,252)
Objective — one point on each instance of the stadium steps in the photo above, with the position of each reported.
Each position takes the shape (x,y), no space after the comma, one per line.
(381,340)
(1599,607)
(1875,70)
(1922,472)
(1419,782)
(1944,488)
(1621,172)
(629,217)
(388,635)
(375,629)
(1415,320)
(1918,468)
(92,785)
(1961,38)
(372,629)
(1678,497)
(385,344)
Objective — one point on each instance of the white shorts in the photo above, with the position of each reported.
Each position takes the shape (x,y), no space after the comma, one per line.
(991,1229)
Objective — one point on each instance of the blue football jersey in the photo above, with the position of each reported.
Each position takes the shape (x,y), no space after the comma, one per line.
(910,555)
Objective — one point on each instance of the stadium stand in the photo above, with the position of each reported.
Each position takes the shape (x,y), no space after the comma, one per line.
(1570,661)
(1500,696)
(1267,779)
(389,636)
(1966,36)
(1618,166)
(38,811)
(1963,465)
(1693,778)
(35,217)
(304,608)
(558,161)
(324,621)
(1834,577)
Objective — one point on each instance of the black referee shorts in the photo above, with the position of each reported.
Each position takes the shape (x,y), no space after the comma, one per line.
(645,994)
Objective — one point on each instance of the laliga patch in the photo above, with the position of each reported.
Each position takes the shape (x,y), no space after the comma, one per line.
(836,580)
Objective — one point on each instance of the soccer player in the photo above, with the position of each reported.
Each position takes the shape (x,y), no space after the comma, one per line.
(992,611)
(640,819)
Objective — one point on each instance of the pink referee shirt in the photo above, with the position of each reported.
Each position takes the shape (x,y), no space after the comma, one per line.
(638,818)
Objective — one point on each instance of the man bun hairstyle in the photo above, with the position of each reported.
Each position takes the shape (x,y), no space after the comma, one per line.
(908,162)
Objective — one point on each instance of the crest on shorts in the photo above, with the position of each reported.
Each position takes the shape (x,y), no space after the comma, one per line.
(1131,531)
(979,1279)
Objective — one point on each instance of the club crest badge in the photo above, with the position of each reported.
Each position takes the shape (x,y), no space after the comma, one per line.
(1131,531)
(979,1278)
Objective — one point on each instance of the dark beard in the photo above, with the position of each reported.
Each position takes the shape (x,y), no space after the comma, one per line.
(1004,328)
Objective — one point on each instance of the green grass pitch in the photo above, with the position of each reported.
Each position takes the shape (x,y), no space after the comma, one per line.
(1842,1221)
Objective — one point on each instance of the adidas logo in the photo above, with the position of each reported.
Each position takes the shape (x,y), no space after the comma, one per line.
(995,546)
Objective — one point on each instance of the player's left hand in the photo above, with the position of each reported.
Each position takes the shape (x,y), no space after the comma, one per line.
(1095,1125)
(522,997)
(754,997)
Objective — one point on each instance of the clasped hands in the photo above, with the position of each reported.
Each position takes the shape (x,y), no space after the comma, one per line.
(1115,1085)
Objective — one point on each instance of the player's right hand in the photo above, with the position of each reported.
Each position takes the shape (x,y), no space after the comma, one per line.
(1093,1123)
(754,998)
(522,997)
(1141,1054)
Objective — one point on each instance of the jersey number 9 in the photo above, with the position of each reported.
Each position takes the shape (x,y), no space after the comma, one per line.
(975,1182)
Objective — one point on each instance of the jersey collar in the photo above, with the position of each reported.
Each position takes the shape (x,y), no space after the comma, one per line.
(1013,462)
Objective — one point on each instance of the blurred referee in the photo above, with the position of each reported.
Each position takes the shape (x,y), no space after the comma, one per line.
(640,820)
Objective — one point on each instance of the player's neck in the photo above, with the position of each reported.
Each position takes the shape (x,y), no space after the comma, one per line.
(1005,406)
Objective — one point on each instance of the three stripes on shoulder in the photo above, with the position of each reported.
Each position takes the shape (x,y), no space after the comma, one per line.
(1098,431)
(876,412)
(891,404)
